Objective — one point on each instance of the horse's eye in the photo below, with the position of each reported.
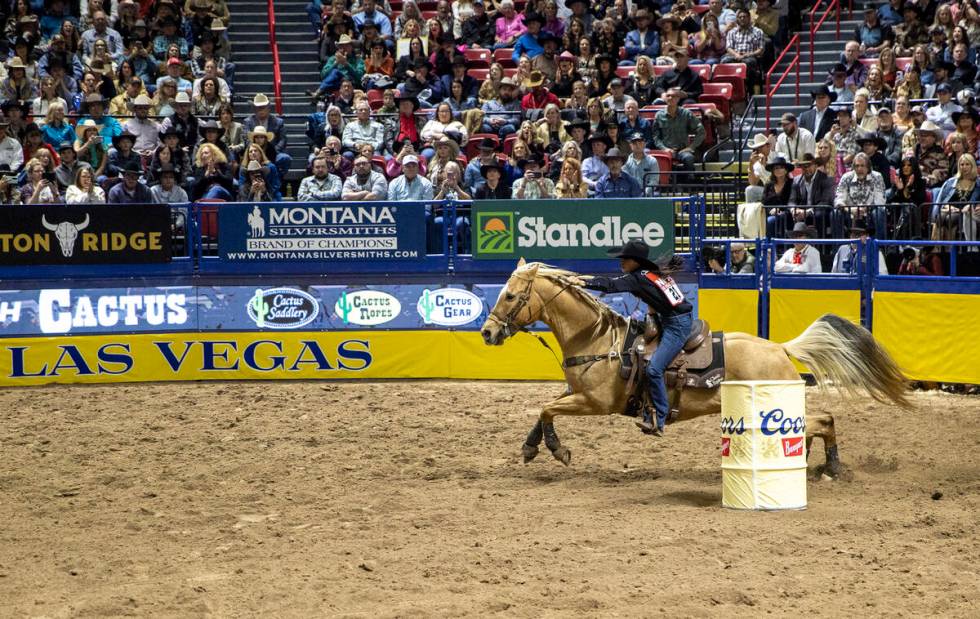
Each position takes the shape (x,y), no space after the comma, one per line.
(509,296)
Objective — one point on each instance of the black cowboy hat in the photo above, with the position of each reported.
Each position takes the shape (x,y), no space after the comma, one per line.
(780,162)
(422,62)
(531,158)
(637,250)
(171,130)
(806,159)
(939,63)
(872,139)
(10,104)
(211,125)
(132,166)
(825,91)
(570,3)
(534,17)
(167,167)
(600,137)
(493,165)
(604,58)
(546,36)
(578,123)
(122,136)
(972,112)
(487,143)
(414,100)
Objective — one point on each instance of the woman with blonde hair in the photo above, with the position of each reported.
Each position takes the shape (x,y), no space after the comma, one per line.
(490,88)
(949,217)
(903,114)
(827,158)
(84,190)
(443,125)
(570,183)
(37,190)
(641,83)
(213,180)
(865,116)
(163,98)
(596,114)
(55,128)
(878,89)
(550,130)
(49,95)
(890,72)
(256,153)
(910,86)
(446,151)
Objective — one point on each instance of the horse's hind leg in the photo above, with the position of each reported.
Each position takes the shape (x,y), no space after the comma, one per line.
(822,424)
(530,447)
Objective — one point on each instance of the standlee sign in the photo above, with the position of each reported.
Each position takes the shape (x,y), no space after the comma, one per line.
(322,231)
(85,234)
(570,229)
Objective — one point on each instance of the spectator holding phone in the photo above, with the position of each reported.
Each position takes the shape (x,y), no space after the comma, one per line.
(41,187)
(90,147)
(533,185)
(84,190)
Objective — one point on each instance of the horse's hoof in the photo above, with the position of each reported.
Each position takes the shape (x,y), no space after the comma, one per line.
(563,454)
(530,452)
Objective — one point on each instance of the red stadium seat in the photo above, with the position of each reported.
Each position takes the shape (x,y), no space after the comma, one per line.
(660,69)
(509,143)
(699,110)
(903,63)
(478,58)
(700,9)
(733,73)
(720,94)
(427,15)
(510,72)
(428,5)
(704,70)
(479,75)
(650,111)
(625,72)
(868,62)
(473,146)
(376,98)
(504,57)
(666,162)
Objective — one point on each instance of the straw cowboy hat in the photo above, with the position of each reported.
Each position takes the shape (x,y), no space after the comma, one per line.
(143,101)
(85,125)
(931,127)
(758,141)
(534,80)
(16,63)
(255,166)
(260,100)
(260,130)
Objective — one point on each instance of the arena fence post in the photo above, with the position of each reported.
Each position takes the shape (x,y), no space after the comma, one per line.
(767,253)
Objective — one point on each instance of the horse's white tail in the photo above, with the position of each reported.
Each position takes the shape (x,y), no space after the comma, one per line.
(846,356)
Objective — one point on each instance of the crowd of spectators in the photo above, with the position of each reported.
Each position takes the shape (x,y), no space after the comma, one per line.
(121,101)
(554,109)
(890,143)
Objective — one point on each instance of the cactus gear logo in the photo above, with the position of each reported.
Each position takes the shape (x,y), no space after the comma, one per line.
(449,307)
(496,232)
(367,307)
(282,308)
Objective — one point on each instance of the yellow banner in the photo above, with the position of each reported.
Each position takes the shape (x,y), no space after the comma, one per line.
(272,356)
(933,337)
(729,310)
(792,311)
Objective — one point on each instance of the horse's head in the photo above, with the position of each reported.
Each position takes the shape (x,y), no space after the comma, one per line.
(515,308)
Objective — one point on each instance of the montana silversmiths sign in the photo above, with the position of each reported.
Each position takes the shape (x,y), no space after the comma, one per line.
(570,229)
(322,231)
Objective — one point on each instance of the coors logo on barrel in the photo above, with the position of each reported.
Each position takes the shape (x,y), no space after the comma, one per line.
(85,234)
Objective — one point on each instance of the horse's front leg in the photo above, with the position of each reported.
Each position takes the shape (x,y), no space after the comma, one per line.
(572,404)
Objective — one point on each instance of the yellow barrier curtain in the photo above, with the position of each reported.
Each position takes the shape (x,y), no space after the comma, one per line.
(792,311)
(730,310)
(933,337)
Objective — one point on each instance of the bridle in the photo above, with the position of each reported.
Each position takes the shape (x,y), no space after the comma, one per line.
(523,297)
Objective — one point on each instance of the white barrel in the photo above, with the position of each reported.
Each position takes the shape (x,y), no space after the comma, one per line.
(763,444)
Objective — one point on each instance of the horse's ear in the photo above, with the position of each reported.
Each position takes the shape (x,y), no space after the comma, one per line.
(533,271)
(521,262)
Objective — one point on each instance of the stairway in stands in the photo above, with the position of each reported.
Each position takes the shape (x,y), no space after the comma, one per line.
(249,35)
(827,50)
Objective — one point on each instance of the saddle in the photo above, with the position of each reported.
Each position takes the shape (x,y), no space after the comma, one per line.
(699,365)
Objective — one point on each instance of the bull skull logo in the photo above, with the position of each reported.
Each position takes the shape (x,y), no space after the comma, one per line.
(66,233)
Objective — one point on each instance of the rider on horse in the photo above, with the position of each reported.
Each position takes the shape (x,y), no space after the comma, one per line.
(654,286)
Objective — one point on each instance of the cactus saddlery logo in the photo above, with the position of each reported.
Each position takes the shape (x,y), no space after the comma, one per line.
(367,307)
(282,308)
(450,307)
(496,232)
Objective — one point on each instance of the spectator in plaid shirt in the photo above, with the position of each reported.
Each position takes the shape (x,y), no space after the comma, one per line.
(746,44)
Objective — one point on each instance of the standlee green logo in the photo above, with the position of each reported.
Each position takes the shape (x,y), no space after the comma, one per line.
(575,229)
(495,232)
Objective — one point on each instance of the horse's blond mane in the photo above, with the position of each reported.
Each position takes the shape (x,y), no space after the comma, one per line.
(561,277)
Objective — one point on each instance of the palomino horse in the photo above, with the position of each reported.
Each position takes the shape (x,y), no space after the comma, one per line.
(835,350)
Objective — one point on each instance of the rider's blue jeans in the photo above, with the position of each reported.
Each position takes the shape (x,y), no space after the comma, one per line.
(676,330)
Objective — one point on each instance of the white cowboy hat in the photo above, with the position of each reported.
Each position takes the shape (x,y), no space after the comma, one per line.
(260,100)
(758,141)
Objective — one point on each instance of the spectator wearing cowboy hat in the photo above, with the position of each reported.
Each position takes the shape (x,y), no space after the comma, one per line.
(130,190)
(93,108)
(254,188)
(420,83)
(182,122)
(616,184)
(846,258)
(819,119)
(211,132)
(122,153)
(644,40)
(344,64)
(776,193)
(262,116)
(493,186)
(538,96)
(547,61)
(171,152)
(812,188)
(17,86)
(502,114)
(641,166)
(528,44)
(472,175)
(594,167)
(837,84)
(801,257)
(146,130)
(168,189)
(929,151)
(68,165)
(534,185)
(873,146)
(168,36)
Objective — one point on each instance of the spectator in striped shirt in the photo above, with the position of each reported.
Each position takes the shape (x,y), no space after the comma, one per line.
(746,44)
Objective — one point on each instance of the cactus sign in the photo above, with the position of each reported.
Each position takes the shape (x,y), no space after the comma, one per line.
(367,307)
(569,229)
(282,308)
(449,307)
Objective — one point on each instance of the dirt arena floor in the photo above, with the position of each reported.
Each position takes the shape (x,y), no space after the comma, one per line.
(410,499)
